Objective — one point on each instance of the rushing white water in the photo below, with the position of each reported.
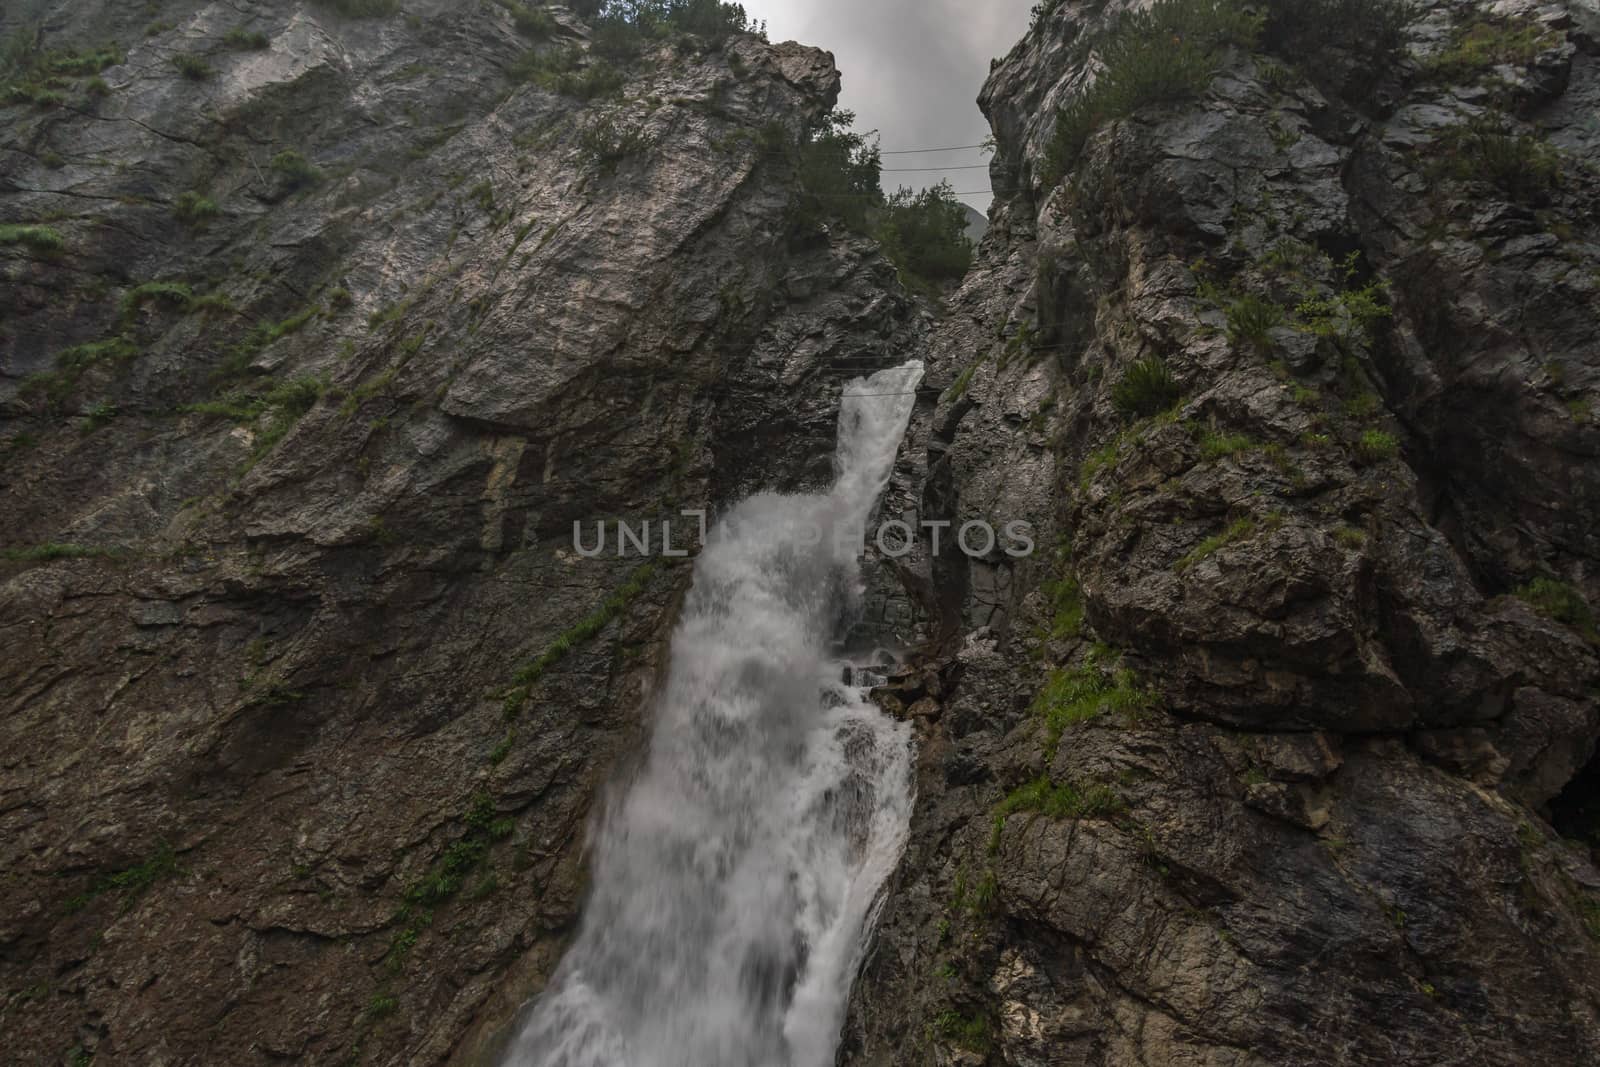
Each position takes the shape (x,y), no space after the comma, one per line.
(734,880)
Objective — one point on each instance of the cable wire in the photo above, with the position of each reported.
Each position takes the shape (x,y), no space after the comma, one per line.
(921,151)
(924,170)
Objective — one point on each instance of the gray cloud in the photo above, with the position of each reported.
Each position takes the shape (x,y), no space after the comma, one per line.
(912,70)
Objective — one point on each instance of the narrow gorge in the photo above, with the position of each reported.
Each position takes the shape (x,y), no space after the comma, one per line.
(323,740)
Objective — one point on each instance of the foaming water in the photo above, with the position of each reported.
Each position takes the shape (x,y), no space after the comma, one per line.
(735,879)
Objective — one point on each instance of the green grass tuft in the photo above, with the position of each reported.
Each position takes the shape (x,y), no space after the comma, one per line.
(1077,695)
(71,365)
(1147,388)
(1251,321)
(1478,47)
(130,883)
(1215,445)
(1376,446)
(1561,602)
(1236,531)
(38,238)
(194,209)
(584,630)
(968,1033)
(295,170)
(1523,166)
(1044,797)
(192,67)
(362,9)
(241,40)
(174,293)
(54,550)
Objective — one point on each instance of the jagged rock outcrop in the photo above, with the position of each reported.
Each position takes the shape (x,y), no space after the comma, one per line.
(306,694)
(321,332)
(1281,751)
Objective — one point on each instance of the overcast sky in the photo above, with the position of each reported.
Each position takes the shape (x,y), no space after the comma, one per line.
(912,70)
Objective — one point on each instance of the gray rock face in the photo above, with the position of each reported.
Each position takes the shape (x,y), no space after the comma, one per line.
(1279,749)
(1270,756)
(306,694)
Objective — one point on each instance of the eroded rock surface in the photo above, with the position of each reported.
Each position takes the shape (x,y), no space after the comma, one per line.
(1276,753)
(278,782)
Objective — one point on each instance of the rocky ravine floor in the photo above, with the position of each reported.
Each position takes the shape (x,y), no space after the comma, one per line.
(1282,755)
(305,695)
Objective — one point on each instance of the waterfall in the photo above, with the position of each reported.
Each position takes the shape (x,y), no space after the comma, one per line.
(735,879)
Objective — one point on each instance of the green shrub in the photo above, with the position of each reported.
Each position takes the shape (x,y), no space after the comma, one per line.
(1304,30)
(284,405)
(1251,321)
(1350,537)
(1164,54)
(1524,167)
(564,71)
(604,143)
(38,238)
(237,361)
(71,365)
(1220,445)
(381,1006)
(710,19)
(18,48)
(294,170)
(1147,388)
(959,1030)
(97,88)
(99,415)
(192,67)
(1375,446)
(274,406)
(837,172)
(1066,607)
(1561,602)
(193,209)
(1478,47)
(241,40)
(362,9)
(175,293)
(34,94)
(532,22)
(83,64)
(1351,313)
(615,39)
(963,382)
(924,234)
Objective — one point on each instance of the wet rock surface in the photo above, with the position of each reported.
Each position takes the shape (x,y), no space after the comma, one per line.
(307,696)
(1279,749)
(1276,751)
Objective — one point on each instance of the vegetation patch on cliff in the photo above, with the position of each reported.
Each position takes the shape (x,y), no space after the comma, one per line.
(1076,695)
(1166,53)
(584,630)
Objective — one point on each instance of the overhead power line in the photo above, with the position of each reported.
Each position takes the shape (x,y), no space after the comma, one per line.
(869,196)
(920,151)
(921,170)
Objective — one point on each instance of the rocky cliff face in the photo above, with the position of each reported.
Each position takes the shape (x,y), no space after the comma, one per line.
(1282,753)
(320,333)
